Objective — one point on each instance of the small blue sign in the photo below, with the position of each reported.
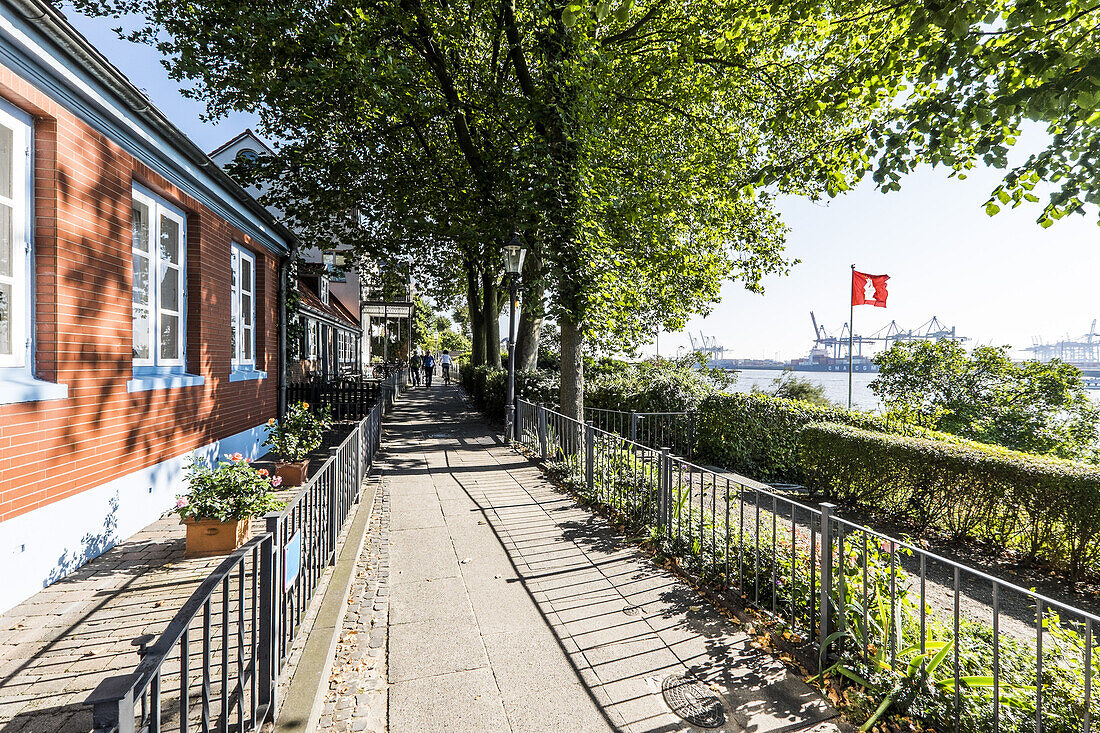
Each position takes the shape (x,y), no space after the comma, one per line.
(292,560)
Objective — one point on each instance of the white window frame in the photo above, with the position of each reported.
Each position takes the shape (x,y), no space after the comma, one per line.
(237,291)
(22,305)
(159,208)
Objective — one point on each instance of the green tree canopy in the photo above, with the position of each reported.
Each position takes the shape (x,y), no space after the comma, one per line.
(1034,406)
(638,146)
(628,145)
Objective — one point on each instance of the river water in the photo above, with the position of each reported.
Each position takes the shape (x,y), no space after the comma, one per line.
(836,385)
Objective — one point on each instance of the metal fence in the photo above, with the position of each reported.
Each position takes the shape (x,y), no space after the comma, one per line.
(346,399)
(674,430)
(217,665)
(966,650)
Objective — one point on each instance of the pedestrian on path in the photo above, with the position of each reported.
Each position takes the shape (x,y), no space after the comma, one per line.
(429,367)
(414,364)
(445,361)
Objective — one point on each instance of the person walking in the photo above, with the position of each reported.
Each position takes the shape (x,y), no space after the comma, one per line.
(429,366)
(446,362)
(414,367)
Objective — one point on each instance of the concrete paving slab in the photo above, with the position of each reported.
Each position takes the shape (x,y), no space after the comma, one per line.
(421,554)
(460,703)
(570,709)
(438,646)
(425,600)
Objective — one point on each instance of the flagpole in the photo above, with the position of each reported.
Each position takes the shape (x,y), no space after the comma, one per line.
(851,330)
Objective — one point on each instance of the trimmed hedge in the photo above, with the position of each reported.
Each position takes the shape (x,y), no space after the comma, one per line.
(1046,507)
(644,388)
(486,386)
(757,435)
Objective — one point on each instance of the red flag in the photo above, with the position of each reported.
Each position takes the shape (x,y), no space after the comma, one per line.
(869,289)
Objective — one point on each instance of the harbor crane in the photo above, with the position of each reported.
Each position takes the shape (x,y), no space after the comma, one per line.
(836,346)
(1083,350)
(707,345)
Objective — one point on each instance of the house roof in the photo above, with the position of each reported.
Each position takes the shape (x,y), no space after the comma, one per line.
(334,311)
(71,66)
(250,135)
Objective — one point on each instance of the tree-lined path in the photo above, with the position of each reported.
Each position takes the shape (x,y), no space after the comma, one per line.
(511,608)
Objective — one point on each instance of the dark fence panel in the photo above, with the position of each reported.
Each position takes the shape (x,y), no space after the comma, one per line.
(346,401)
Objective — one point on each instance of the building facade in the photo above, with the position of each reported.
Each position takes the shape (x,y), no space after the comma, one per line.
(329,340)
(139,292)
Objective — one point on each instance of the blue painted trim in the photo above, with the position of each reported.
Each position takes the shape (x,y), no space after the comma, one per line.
(149,378)
(241,374)
(46,544)
(17,385)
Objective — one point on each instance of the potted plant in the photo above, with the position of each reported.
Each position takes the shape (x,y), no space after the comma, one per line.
(220,503)
(294,437)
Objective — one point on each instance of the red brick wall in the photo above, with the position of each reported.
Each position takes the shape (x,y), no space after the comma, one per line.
(82,275)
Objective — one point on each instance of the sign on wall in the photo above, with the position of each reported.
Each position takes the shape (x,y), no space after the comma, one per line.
(292,560)
(382,309)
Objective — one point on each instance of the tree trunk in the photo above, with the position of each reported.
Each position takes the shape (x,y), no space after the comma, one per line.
(527,344)
(532,315)
(572,368)
(477,325)
(491,318)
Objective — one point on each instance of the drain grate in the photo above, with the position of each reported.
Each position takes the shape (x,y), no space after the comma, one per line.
(632,610)
(693,701)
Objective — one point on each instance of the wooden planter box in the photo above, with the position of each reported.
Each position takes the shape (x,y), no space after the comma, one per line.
(207,537)
(292,474)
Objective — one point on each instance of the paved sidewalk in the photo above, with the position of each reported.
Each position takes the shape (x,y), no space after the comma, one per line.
(512,609)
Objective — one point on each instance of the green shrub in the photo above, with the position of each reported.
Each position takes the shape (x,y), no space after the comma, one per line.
(487,387)
(665,386)
(1046,507)
(757,435)
(228,491)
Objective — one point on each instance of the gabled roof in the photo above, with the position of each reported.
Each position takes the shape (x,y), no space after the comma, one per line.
(334,311)
(247,134)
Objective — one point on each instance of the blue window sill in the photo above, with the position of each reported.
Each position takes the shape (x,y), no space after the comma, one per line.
(149,378)
(17,385)
(241,374)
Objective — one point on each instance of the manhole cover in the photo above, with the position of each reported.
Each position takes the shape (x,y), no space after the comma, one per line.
(632,610)
(693,701)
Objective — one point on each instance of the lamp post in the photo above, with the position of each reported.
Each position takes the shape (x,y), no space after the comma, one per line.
(514,253)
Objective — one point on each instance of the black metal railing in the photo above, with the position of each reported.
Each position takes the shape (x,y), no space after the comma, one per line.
(981,653)
(217,665)
(676,430)
(347,399)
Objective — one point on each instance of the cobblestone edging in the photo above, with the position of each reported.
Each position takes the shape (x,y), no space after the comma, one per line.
(357,698)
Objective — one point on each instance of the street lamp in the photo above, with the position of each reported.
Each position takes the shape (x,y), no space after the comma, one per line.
(514,253)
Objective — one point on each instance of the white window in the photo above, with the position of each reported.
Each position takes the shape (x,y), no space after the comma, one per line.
(243,307)
(15,238)
(159,286)
(313,335)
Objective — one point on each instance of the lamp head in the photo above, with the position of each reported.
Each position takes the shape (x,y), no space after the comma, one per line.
(514,253)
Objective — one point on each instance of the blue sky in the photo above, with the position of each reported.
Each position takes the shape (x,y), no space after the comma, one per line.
(999,280)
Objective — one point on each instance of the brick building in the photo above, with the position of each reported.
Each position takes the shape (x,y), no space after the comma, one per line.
(139,304)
